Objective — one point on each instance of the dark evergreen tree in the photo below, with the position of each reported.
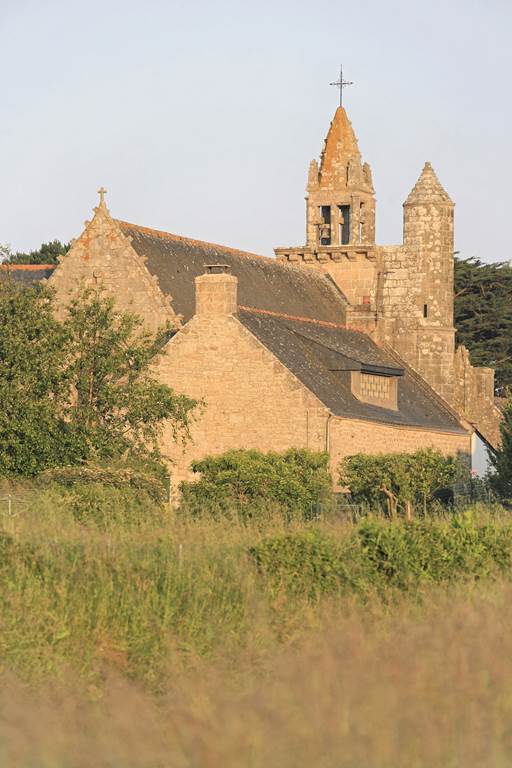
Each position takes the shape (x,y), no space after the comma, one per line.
(483,315)
(500,459)
(48,253)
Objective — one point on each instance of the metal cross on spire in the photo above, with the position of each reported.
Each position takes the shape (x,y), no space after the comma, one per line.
(341,84)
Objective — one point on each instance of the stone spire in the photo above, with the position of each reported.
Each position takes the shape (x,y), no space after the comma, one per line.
(341,165)
(428,189)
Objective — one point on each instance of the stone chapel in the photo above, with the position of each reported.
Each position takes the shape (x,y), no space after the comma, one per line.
(337,345)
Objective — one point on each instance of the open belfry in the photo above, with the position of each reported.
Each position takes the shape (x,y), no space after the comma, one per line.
(338,345)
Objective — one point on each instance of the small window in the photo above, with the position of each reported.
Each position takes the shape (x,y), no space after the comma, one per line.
(425,310)
(344,224)
(326,214)
(325,227)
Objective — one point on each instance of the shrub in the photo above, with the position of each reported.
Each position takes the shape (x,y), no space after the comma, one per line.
(309,563)
(397,481)
(375,555)
(244,482)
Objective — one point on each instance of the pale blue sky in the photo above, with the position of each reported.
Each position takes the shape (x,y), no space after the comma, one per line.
(201,117)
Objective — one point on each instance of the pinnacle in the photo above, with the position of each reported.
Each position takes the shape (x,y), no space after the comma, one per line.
(428,188)
(341,139)
(340,151)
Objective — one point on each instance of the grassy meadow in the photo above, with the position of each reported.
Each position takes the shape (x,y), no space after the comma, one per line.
(131,635)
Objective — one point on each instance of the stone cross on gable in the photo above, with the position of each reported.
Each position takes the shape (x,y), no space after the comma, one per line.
(102,192)
(341,84)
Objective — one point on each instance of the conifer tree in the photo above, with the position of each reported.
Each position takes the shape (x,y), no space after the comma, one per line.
(501,458)
(483,315)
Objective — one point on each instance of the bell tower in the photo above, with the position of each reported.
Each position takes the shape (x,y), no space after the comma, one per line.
(340,221)
(340,195)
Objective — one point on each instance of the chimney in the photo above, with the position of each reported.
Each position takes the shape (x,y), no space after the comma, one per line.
(216,291)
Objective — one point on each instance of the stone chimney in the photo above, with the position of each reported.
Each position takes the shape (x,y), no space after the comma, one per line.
(216,291)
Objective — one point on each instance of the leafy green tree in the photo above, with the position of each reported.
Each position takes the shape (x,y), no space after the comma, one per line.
(118,406)
(47,253)
(246,481)
(483,315)
(80,389)
(33,383)
(500,459)
(398,480)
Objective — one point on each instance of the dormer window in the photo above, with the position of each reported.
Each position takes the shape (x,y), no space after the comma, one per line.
(375,389)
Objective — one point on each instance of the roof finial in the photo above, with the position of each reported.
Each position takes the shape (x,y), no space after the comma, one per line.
(341,84)
(102,192)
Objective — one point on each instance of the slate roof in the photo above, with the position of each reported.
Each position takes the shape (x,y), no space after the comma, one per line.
(296,313)
(262,282)
(26,273)
(321,356)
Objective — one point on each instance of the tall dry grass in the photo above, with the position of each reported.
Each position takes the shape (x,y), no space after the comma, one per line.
(160,642)
(414,687)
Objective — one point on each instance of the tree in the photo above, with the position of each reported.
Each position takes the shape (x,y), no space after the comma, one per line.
(483,315)
(33,386)
(500,459)
(405,480)
(118,406)
(47,253)
(80,389)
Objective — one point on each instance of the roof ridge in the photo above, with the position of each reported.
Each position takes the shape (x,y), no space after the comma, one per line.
(33,267)
(171,236)
(324,323)
(235,251)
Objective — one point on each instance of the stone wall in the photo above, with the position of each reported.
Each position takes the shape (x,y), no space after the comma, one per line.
(474,396)
(102,256)
(250,400)
(350,436)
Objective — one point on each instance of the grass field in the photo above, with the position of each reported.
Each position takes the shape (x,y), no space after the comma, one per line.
(164,643)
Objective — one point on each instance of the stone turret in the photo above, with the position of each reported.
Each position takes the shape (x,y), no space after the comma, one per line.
(428,228)
(428,238)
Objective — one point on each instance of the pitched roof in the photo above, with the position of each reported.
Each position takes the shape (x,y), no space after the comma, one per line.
(322,356)
(26,273)
(262,282)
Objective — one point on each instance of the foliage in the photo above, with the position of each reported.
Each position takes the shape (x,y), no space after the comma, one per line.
(483,315)
(107,581)
(80,389)
(402,480)
(141,480)
(47,253)
(109,507)
(33,384)
(244,481)
(500,459)
(379,556)
(118,406)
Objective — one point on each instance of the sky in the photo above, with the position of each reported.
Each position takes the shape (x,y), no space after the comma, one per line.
(201,118)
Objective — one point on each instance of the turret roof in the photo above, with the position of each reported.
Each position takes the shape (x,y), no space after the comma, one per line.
(428,189)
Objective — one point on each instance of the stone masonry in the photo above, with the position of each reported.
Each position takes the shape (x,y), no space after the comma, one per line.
(103,256)
(249,399)
(403,294)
